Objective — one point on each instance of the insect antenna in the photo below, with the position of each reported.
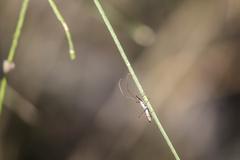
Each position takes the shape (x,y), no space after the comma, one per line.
(125,95)
(128,90)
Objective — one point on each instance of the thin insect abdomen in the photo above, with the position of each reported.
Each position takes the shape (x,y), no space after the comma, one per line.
(146,111)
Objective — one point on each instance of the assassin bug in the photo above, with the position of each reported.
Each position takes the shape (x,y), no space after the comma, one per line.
(135,98)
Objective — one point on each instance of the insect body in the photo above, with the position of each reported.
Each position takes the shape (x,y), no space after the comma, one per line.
(138,100)
(145,109)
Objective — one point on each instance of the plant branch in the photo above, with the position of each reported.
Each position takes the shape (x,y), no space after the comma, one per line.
(65,27)
(128,64)
(14,45)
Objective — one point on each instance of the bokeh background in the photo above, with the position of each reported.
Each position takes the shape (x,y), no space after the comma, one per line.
(185,52)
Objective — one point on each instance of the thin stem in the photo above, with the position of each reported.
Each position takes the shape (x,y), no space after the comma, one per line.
(14,45)
(18,30)
(65,27)
(2,92)
(125,59)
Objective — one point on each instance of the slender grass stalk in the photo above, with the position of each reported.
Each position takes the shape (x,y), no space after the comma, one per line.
(65,27)
(128,64)
(14,45)
(2,92)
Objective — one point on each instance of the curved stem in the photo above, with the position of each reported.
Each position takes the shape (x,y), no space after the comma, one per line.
(132,72)
(65,27)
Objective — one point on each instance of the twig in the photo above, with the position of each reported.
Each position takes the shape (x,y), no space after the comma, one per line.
(14,45)
(65,27)
(131,71)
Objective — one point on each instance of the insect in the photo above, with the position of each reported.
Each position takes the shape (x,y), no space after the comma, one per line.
(135,98)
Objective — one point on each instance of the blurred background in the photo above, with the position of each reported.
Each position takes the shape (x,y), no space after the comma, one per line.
(185,52)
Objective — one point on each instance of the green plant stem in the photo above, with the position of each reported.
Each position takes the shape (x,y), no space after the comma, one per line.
(2,92)
(65,27)
(125,59)
(12,50)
